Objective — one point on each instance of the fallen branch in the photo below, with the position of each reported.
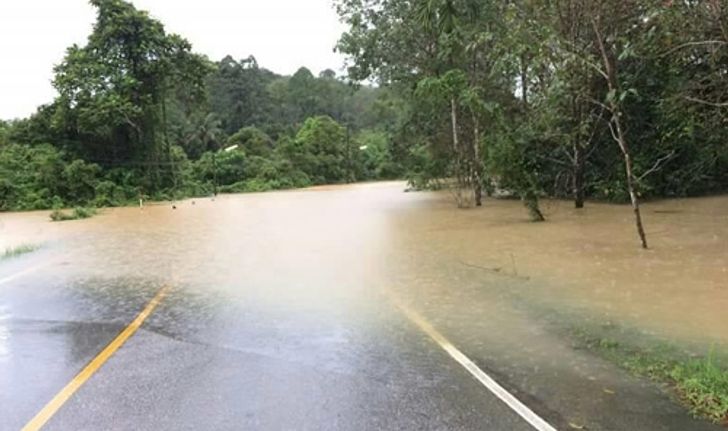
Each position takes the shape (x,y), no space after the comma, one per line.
(496,270)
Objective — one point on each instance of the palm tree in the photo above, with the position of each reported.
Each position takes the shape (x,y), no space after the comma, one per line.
(208,132)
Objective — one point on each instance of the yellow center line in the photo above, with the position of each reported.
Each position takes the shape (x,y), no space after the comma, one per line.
(57,402)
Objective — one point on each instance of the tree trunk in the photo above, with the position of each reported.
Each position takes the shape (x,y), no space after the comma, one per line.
(168,146)
(454,120)
(578,174)
(456,150)
(477,163)
(530,200)
(630,179)
(524,78)
(578,162)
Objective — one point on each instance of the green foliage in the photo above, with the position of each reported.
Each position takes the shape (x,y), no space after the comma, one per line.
(113,90)
(252,141)
(375,156)
(455,63)
(242,94)
(200,133)
(109,194)
(426,167)
(140,116)
(704,385)
(511,160)
(321,150)
(36,177)
(80,180)
(227,167)
(4,132)
(701,383)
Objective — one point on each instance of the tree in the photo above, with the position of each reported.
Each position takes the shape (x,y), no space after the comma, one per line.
(319,150)
(611,23)
(113,90)
(447,91)
(453,53)
(302,94)
(4,132)
(577,87)
(239,93)
(252,141)
(205,134)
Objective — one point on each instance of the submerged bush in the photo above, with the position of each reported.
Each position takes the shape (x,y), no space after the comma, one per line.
(77,214)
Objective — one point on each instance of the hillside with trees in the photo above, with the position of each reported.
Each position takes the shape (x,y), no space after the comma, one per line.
(139,114)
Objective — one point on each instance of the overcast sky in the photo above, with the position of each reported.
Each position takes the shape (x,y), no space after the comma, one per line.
(282,34)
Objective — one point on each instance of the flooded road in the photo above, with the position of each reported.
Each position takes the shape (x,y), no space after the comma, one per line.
(294,310)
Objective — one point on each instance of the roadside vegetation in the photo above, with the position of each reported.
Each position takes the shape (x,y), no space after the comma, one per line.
(19,250)
(696,376)
(701,383)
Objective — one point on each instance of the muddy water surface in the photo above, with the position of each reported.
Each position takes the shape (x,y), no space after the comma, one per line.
(590,260)
(582,259)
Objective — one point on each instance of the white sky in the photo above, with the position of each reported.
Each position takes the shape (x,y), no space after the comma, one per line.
(282,35)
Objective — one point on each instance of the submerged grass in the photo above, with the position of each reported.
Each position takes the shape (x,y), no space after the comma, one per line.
(700,382)
(76,214)
(16,251)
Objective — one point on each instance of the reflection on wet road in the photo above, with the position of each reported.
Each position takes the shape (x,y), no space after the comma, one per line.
(280,316)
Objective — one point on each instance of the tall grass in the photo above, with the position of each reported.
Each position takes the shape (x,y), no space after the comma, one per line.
(704,385)
(16,251)
(701,383)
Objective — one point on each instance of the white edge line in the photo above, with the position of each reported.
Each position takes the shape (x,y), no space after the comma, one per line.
(22,273)
(511,401)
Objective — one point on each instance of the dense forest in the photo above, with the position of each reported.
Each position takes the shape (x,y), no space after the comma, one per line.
(140,115)
(617,100)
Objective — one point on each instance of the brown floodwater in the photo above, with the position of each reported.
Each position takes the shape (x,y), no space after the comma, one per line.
(586,260)
(589,260)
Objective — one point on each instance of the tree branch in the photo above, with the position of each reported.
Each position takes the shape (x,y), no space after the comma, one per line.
(614,134)
(689,44)
(598,103)
(657,165)
(594,66)
(705,102)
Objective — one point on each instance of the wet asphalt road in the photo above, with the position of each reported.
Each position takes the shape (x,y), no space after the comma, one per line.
(280,316)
